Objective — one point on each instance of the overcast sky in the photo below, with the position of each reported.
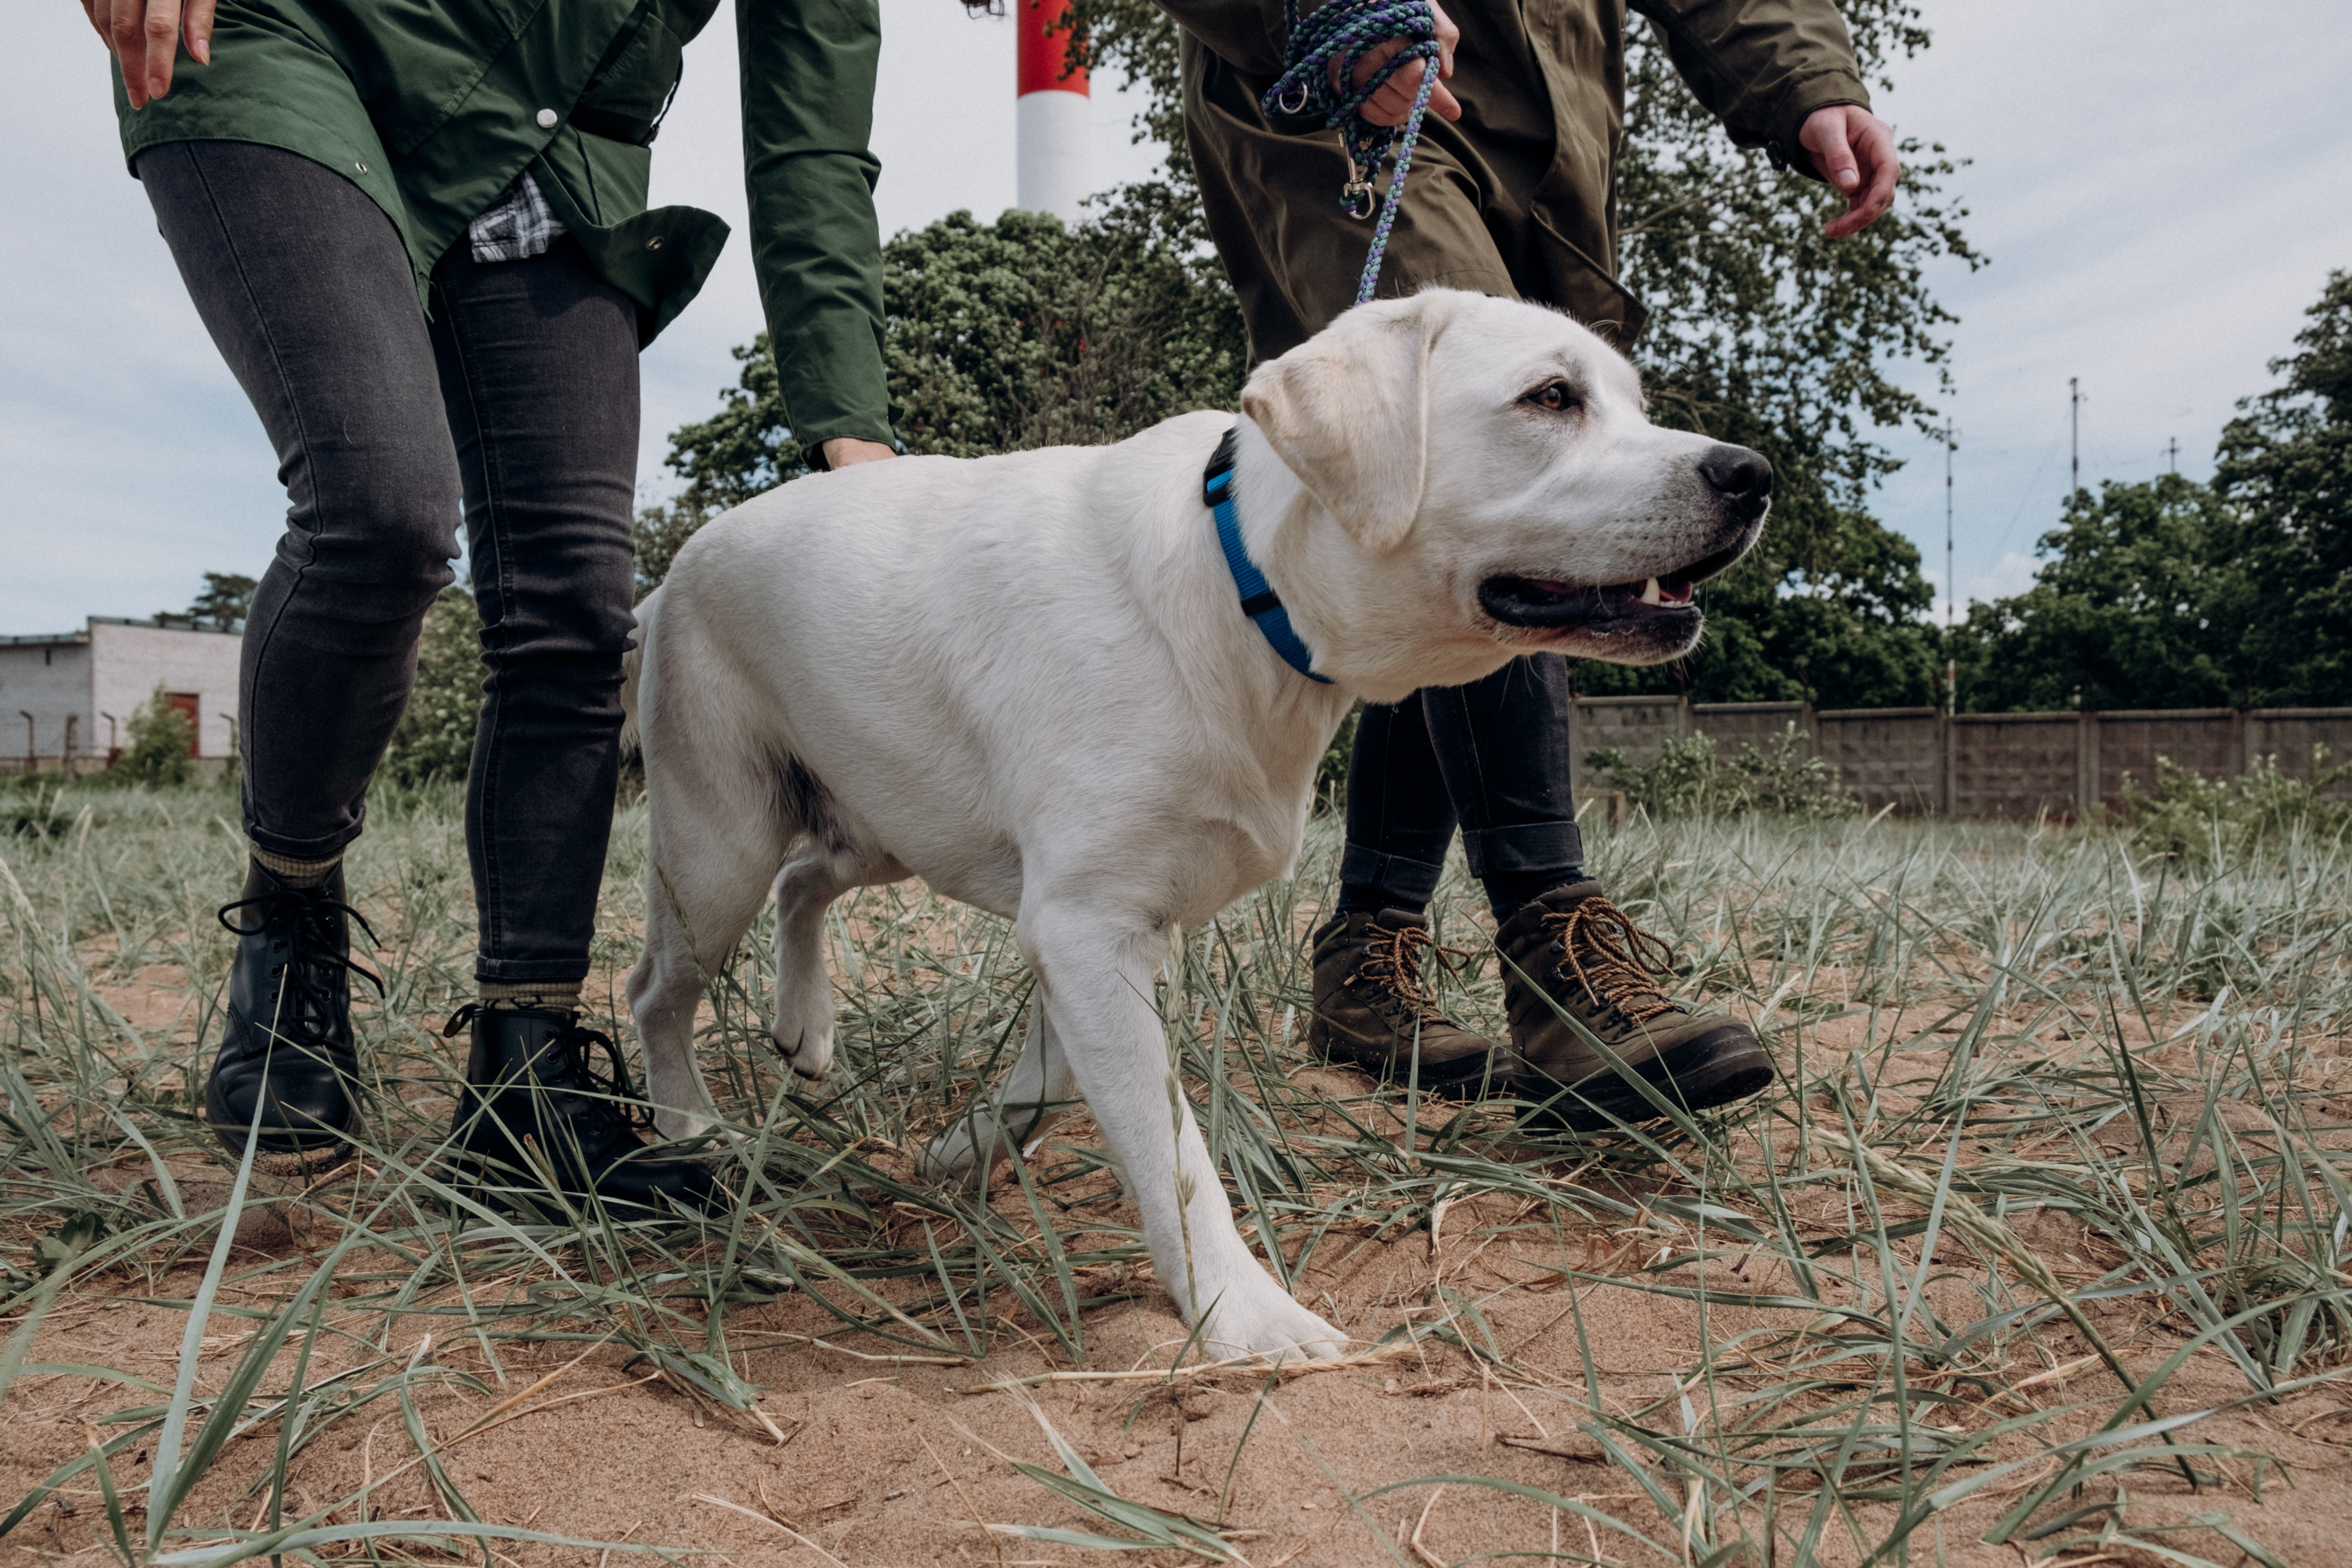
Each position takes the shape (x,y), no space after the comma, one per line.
(2162,187)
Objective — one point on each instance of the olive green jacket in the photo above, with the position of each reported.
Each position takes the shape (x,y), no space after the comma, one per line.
(433,107)
(1518,197)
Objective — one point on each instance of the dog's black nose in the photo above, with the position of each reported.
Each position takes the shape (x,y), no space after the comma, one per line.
(1738,474)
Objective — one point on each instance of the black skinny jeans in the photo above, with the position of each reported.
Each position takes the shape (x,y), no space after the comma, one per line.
(1492,756)
(518,398)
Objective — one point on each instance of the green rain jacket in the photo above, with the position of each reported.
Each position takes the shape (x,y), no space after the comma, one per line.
(433,107)
(1516,198)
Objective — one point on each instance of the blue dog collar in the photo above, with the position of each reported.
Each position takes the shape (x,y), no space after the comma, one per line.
(1259,601)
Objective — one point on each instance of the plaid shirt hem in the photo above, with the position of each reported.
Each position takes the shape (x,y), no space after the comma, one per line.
(519,225)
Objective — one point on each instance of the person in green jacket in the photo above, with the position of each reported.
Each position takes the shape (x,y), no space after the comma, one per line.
(418,235)
(1511,193)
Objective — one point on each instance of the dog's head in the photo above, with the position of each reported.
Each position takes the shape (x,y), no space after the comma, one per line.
(1485,484)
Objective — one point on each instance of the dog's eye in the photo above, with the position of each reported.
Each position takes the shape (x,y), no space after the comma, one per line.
(1555,395)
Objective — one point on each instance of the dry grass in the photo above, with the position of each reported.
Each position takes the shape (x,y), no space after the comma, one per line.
(2035,1255)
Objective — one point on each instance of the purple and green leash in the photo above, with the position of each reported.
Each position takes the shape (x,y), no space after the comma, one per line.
(1345,31)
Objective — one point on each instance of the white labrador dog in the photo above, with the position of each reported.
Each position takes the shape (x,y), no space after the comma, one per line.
(1029,681)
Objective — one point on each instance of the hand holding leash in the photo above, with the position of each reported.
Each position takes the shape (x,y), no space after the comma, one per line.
(1369,45)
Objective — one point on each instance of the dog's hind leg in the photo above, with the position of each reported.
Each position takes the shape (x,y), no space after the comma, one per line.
(815,875)
(707,874)
(1039,1091)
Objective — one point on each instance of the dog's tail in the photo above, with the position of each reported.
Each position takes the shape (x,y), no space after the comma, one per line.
(633,666)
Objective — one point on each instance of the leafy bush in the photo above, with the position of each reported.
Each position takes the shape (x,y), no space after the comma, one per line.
(434,738)
(161,739)
(33,804)
(1687,779)
(2200,820)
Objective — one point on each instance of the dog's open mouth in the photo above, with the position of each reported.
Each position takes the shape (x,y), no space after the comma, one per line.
(1550,605)
(1547,604)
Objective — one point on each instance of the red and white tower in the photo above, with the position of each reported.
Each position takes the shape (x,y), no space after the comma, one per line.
(1053,171)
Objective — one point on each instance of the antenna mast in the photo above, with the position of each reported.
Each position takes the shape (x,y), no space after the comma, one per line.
(1951,588)
(2074,432)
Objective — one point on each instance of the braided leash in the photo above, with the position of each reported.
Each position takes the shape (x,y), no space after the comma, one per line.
(1345,31)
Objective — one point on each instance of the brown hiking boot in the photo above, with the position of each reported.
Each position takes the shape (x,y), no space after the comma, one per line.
(1581,952)
(1373,1010)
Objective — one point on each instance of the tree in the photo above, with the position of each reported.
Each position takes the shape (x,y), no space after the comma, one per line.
(2287,463)
(998,337)
(226,602)
(161,739)
(435,737)
(2143,603)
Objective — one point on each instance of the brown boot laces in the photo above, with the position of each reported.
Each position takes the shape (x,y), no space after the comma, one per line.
(1391,960)
(1616,962)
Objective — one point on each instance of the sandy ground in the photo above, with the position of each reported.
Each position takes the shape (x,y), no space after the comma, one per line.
(887,1462)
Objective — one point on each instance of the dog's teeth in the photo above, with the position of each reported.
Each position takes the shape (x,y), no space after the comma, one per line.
(1650,592)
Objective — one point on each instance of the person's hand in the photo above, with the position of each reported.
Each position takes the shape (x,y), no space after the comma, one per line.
(1854,151)
(146,35)
(1394,102)
(842,451)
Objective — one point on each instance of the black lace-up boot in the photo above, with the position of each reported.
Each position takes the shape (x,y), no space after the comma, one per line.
(288,1046)
(532,1103)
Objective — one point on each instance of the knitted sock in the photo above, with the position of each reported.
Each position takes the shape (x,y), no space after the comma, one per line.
(298,873)
(533,996)
(1510,891)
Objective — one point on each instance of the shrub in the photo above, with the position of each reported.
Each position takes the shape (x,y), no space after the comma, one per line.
(160,738)
(435,737)
(1784,779)
(2202,820)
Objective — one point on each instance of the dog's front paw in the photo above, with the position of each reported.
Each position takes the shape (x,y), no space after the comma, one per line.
(675,1125)
(808,1052)
(953,1159)
(1268,1323)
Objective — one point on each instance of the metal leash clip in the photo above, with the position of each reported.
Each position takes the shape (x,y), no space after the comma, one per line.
(1356,197)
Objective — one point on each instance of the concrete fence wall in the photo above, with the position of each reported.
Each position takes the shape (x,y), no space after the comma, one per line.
(1922,759)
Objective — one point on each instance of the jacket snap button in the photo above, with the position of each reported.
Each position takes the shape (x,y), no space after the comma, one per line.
(547,118)
(361,167)
(655,243)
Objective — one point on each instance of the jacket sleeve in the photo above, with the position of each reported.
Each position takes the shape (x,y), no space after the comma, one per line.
(1251,35)
(808,110)
(1762,67)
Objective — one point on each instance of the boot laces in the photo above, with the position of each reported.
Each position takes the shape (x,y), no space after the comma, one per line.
(307,1008)
(1392,961)
(1618,964)
(611,1108)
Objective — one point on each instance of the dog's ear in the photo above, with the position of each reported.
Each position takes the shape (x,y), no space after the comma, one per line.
(1347,411)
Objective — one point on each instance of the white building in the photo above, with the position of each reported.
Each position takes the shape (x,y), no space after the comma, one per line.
(65,700)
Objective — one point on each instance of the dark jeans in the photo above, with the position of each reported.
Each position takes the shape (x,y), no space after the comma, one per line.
(519,398)
(1492,755)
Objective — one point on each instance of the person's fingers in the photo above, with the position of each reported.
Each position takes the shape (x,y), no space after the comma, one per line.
(1449,39)
(1824,136)
(161,31)
(126,34)
(1880,168)
(1883,164)
(1369,64)
(197,28)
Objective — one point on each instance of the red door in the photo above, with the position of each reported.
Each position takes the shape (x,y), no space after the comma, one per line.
(184,704)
